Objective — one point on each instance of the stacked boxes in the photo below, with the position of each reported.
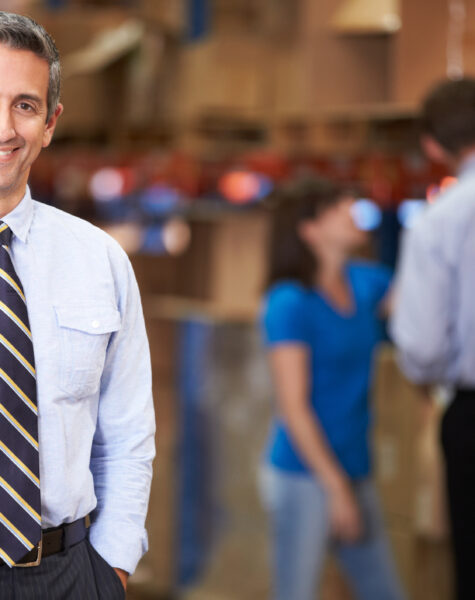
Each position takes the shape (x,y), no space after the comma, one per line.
(409,473)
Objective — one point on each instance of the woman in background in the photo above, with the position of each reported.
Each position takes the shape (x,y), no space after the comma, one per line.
(321,323)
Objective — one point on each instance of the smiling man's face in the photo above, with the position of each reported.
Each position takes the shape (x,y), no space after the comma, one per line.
(24,130)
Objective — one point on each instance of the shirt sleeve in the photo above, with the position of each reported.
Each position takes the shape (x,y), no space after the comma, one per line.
(123,446)
(422,321)
(284,317)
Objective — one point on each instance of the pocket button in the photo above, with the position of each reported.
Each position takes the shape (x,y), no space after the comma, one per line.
(95,324)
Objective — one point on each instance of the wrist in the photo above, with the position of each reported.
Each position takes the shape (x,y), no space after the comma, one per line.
(123,576)
(337,483)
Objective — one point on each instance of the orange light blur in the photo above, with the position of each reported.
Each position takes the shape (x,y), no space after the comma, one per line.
(447,182)
(433,191)
(239,187)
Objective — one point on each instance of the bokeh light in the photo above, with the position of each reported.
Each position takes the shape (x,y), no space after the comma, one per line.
(176,236)
(434,190)
(159,200)
(409,211)
(107,184)
(244,187)
(366,214)
(128,235)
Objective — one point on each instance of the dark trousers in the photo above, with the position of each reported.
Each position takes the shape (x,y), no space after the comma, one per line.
(458,441)
(78,573)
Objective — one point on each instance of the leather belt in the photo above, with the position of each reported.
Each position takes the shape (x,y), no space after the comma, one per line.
(55,540)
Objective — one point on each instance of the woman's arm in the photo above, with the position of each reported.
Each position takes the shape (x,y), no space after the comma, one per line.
(386,306)
(290,370)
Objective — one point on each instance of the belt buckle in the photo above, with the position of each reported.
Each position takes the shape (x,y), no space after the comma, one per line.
(35,563)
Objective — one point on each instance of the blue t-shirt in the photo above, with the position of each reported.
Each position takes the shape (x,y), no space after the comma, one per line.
(341,348)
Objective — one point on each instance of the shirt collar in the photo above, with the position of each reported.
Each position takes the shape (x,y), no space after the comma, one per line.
(20,218)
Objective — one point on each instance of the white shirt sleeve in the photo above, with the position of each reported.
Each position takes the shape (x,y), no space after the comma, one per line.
(123,446)
(422,324)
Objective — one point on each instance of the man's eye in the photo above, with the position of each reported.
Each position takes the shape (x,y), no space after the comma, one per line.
(25,106)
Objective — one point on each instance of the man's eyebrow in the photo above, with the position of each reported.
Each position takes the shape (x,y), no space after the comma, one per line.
(31,97)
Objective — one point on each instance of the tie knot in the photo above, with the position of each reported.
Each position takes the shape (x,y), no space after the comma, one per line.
(5,234)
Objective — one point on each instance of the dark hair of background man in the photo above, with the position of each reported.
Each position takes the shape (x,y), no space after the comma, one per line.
(448,114)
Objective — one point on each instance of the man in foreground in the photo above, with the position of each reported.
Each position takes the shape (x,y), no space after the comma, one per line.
(434,320)
(76,414)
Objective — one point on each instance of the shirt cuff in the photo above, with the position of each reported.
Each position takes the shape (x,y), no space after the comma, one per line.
(118,544)
(420,373)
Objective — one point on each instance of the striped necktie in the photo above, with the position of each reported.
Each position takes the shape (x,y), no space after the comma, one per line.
(20,507)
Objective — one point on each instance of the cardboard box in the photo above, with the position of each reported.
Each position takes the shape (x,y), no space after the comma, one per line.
(431,512)
(194,264)
(239,260)
(276,18)
(161,520)
(409,474)
(396,403)
(116,83)
(419,50)
(159,564)
(434,571)
(167,414)
(225,75)
(322,69)
(170,16)
(20,6)
(403,544)
(325,71)
(162,337)
(425,566)
(86,97)
(156,274)
(226,263)
(409,464)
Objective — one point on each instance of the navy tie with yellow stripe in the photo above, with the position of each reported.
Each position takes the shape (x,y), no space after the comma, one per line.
(20,507)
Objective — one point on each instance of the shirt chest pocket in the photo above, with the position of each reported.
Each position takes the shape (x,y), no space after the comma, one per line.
(84,335)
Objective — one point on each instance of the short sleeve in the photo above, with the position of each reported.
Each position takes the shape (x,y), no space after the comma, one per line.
(284,315)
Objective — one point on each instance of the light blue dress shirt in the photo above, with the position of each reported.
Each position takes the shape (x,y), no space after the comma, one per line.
(96,419)
(434,320)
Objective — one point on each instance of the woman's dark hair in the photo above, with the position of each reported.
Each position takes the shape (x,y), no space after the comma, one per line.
(306,198)
(448,114)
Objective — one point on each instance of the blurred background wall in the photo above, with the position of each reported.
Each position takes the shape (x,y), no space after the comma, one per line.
(180,118)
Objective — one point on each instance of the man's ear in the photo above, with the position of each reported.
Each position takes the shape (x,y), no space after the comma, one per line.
(434,151)
(51,126)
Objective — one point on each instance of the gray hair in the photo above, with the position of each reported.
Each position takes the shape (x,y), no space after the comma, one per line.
(22,33)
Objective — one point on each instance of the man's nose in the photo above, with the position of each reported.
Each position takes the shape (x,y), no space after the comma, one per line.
(7,126)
